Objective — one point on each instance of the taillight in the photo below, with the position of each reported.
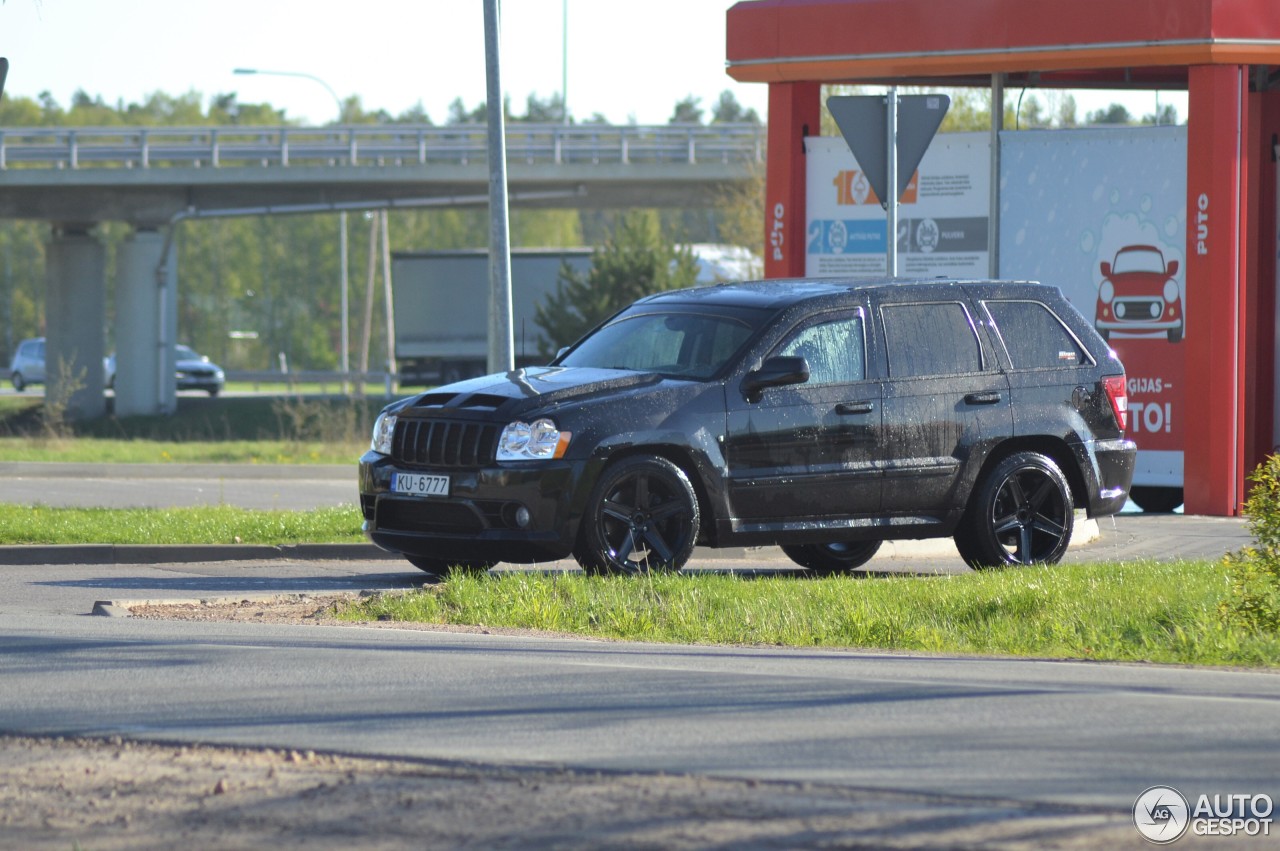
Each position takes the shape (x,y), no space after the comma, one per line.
(1118,393)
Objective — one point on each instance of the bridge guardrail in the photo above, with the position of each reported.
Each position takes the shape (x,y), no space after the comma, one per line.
(400,145)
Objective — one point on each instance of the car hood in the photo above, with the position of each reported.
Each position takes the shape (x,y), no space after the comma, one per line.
(538,387)
(189,364)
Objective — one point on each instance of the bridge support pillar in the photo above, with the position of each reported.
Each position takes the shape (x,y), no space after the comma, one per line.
(75,268)
(146,320)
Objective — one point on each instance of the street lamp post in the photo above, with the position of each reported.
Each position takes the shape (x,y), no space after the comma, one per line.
(344,355)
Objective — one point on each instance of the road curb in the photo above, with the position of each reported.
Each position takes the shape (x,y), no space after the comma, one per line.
(60,554)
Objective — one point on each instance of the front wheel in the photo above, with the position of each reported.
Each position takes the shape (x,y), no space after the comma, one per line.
(642,515)
(1021,512)
(18,382)
(830,559)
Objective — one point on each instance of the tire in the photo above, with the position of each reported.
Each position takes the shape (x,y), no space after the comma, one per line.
(642,516)
(443,567)
(832,559)
(18,382)
(1156,500)
(1175,335)
(1020,513)
(212,391)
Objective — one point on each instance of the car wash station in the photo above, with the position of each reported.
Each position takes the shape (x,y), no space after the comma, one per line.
(1165,236)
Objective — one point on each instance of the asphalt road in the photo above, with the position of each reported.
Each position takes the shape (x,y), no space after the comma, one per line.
(293,487)
(1046,733)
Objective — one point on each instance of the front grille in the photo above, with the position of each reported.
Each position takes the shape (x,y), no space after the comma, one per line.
(427,515)
(1138,309)
(444,443)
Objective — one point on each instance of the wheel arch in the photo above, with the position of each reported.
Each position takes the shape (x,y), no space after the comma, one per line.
(1054,448)
(683,458)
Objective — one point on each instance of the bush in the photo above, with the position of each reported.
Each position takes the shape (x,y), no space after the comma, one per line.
(1254,571)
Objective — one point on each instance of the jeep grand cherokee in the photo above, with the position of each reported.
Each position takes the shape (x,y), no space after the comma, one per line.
(824,416)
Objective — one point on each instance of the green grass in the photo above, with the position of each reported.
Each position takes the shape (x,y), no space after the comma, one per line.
(222,524)
(1141,611)
(89,450)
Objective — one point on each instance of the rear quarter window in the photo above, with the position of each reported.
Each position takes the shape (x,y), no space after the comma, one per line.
(1034,336)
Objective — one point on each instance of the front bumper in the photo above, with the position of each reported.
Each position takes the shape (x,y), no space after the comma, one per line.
(479,519)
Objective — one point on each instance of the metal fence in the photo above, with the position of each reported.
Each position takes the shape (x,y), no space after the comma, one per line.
(382,145)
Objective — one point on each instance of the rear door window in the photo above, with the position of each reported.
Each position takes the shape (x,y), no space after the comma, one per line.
(930,339)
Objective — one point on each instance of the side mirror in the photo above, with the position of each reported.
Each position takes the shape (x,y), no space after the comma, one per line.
(775,372)
(1106,269)
(1173,268)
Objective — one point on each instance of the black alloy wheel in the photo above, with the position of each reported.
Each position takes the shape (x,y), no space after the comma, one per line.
(1020,513)
(831,559)
(642,516)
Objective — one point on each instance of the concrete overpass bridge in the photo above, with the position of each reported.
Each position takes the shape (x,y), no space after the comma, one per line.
(156,177)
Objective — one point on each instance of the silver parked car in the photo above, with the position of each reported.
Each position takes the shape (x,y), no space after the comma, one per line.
(193,371)
(27,366)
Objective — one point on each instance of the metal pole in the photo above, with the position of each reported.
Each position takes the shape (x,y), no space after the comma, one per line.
(345,306)
(390,305)
(501,340)
(564,60)
(993,205)
(891,184)
(344,356)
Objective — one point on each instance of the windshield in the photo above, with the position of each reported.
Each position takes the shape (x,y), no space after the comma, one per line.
(184,353)
(693,346)
(1138,260)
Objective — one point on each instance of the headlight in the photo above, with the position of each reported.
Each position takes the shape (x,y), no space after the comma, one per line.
(1171,291)
(384,429)
(1106,292)
(539,440)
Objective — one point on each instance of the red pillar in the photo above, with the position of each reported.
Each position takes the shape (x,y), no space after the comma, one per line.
(1262,387)
(795,111)
(1218,147)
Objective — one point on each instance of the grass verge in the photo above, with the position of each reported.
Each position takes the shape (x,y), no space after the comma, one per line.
(1137,611)
(249,430)
(91,450)
(222,524)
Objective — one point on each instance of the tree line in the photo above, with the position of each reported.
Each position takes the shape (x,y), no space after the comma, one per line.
(254,288)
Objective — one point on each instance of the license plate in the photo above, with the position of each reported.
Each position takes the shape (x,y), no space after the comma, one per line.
(419,484)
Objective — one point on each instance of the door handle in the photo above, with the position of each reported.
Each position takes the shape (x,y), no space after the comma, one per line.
(989,398)
(862,407)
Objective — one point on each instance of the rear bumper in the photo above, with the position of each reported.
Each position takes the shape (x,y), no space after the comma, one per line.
(1110,464)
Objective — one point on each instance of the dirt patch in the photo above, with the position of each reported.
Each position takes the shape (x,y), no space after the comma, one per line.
(116,794)
(109,795)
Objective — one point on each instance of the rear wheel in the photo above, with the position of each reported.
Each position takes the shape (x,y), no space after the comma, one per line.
(829,559)
(1020,513)
(642,515)
(443,567)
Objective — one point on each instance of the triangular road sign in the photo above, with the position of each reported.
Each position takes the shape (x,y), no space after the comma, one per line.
(862,120)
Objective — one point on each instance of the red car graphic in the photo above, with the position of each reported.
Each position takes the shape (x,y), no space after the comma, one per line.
(1139,294)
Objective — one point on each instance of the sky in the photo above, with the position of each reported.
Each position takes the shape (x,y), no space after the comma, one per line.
(627,61)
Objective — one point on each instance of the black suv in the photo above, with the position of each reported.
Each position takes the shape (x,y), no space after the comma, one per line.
(822,415)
